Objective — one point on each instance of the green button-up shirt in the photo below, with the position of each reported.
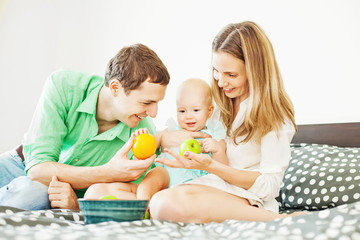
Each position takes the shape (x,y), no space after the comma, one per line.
(64,128)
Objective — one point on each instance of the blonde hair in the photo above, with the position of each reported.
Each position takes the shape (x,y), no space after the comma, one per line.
(269,104)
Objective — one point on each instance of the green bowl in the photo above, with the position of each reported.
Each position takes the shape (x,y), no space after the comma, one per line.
(96,211)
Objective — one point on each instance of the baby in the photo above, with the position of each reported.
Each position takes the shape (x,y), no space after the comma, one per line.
(194,108)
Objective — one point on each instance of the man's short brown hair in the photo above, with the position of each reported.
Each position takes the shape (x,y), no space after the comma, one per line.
(134,64)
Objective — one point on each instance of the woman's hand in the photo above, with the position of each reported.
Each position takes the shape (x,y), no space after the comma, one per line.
(174,138)
(190,161)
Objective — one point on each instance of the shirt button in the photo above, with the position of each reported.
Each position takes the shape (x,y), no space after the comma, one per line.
(76,160)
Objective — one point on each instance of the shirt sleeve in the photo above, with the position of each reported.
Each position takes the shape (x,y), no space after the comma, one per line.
(44,139)
(275,157)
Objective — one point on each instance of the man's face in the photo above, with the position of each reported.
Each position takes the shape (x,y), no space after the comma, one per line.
(139,103)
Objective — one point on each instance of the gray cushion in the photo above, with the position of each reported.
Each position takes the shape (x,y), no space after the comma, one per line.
(320,176)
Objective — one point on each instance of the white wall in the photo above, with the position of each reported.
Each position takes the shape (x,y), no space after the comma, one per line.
(316,43)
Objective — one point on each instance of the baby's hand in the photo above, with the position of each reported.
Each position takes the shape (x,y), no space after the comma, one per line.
(141,131)
(211,145)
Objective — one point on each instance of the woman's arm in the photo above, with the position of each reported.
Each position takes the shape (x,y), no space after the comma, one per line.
(275,155)
(241,178)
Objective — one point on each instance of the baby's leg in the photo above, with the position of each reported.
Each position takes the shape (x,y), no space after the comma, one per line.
(155,180)
(125,191)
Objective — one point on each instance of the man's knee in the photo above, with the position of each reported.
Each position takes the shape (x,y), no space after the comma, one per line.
(25,193)
(11,167)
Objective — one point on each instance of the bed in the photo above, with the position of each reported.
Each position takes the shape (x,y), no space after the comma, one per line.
(323,178)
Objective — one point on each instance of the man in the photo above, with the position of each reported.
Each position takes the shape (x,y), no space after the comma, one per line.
(79,128)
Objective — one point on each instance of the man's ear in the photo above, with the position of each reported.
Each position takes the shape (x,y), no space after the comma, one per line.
(115,86)
(211,110)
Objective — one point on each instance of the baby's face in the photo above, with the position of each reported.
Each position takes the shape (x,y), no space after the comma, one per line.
(193,111)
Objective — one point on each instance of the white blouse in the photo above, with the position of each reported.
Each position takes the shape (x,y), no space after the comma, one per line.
(271,158)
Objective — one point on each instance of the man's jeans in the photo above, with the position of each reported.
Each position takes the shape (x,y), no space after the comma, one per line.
(18,190)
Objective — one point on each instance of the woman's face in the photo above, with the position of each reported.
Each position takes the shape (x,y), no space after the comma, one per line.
(230,74)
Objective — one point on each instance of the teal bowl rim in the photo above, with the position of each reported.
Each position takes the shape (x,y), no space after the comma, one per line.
(98,210)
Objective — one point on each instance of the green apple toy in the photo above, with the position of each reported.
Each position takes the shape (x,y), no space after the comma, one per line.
(190,145)
(108,197)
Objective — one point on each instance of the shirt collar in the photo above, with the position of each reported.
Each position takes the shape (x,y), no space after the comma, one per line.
(245,102)
(122,131)
(89,104)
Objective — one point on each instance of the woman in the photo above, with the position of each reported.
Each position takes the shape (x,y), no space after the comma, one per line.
(259,119)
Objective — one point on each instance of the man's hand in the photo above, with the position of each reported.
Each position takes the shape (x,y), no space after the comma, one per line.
(174,138)
(121,169)
(61,195)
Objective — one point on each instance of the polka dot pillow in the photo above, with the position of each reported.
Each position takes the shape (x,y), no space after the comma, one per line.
(320,176)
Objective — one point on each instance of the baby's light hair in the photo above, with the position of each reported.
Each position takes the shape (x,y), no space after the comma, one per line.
(198,84)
